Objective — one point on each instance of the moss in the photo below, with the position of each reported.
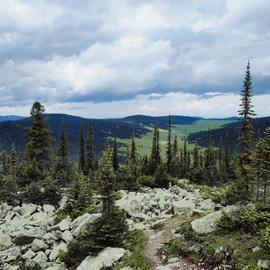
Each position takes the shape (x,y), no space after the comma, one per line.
(136,242)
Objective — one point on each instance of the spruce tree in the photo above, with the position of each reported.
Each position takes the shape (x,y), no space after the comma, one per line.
(107,231)
(169,146)
(39,144)
(115,156)
(155,152)
(196,174)
(13,166)
(89,153)
(82,152)
(261,165)
(62,164)
(246,131)
(209,161)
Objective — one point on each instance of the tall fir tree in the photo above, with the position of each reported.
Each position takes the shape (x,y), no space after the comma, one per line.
(169,146)
(62,164)
(13,166)
(89,150)
(115,155)
(82,152)
(155,152)
(210,174)
(246,131)
(261,166)
(38,148)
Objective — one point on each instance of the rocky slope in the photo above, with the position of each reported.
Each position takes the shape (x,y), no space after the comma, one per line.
(28,235)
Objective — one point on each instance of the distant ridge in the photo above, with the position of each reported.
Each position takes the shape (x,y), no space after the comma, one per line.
(10,117)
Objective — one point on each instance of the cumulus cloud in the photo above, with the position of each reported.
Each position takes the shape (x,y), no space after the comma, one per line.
(60,52)
(178,103)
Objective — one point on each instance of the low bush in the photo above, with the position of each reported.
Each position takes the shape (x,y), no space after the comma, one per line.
(247,219)
(45,191)
(147,180)
(266,236)
(109,231)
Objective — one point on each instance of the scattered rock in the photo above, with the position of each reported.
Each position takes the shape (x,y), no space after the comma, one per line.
(80,222)
(55,251)
(39,245)
(264,264)
(106,258)
(29,254)
(5,241)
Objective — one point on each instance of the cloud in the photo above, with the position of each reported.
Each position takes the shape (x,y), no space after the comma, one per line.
(179,103)
(118,50)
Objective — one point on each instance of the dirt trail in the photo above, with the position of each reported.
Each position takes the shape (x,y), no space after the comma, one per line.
(156,239)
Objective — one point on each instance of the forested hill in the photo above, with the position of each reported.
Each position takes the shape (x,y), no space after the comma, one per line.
(15,131)
(161,121)
(259,126)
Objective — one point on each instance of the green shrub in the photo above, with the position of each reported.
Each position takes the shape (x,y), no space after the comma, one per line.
(248,219)
(103,232)
(266,236)
(43,192)
(135,242)
(147,180)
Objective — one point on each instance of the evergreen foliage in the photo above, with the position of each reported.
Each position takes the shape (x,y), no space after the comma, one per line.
(169,146)
(246,131)
(82,152)
(89,153)
(62,171)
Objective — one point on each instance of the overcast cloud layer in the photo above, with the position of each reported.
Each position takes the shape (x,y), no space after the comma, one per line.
(114,58)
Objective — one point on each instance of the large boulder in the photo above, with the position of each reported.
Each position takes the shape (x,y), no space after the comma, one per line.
(105,259)
(11,254)
(80,222)
(63,225)
(183,207)
(39,245)
(5,241)
(208,223)
(27,209)
(56,251)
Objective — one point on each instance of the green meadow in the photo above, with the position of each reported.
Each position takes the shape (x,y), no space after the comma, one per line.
(144,143)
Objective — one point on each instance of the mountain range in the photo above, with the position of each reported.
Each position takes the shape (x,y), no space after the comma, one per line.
(13,129)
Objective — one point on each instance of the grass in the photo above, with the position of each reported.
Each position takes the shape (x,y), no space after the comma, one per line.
(213,248)
(136,242)
(144,144)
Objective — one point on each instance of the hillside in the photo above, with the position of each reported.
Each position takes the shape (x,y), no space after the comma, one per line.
(259,126)
(15,131)
(192,128)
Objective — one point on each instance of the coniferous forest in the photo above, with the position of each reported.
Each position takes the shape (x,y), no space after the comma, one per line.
(204,206)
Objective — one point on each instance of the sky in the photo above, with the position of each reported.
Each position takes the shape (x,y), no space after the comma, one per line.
(114,58)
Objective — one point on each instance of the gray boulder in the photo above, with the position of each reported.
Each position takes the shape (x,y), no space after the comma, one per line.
(106,258)
(39,245)
(5,241)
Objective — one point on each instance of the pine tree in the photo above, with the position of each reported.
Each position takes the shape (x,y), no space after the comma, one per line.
(155,153)
(209,161)
(115,156)
(185,160)
(107,231)
(261,165)
(196,174)
(13,166)
(169,146)
(89,155)
(175,158)
(39,144)
(62,164)
(246,112)
(82,152)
